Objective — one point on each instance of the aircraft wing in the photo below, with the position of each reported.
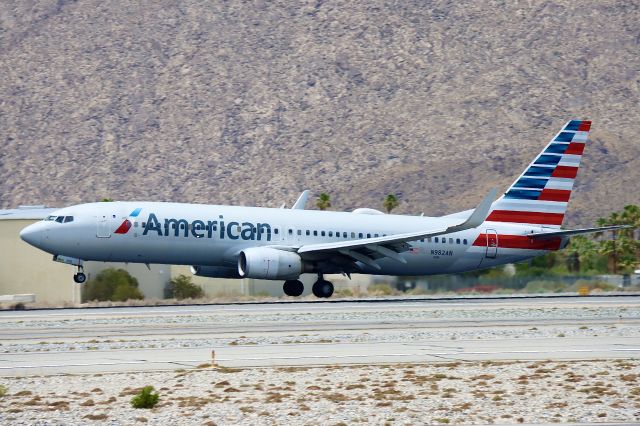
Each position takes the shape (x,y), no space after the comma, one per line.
(570,232)
(366,250)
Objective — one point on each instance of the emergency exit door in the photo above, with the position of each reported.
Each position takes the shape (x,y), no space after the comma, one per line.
(492,244)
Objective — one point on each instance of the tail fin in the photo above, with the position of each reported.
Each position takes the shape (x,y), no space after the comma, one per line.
(541,194)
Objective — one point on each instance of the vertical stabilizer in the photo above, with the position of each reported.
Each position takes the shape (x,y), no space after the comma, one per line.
(541,194)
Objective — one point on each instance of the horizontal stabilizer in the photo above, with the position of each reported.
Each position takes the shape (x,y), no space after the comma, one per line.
(570,232)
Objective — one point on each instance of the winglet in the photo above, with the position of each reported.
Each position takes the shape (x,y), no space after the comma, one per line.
(481,212)
(301,201)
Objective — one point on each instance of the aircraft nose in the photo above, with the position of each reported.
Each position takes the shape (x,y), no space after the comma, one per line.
(32,234)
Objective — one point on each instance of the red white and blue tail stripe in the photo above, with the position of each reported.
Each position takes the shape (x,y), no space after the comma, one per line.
(541,194)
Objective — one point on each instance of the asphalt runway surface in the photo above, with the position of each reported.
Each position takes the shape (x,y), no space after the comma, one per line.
(255,335)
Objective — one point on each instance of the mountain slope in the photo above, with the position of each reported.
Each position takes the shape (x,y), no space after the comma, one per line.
(216,102)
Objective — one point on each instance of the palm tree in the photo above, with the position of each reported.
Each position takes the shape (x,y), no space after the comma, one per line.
(324,201)
(622,249)
(390,202)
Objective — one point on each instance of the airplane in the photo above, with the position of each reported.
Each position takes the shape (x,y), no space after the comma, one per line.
(281,244)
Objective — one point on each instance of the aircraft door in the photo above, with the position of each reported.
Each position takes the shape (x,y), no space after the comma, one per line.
(492,244)
(104,228)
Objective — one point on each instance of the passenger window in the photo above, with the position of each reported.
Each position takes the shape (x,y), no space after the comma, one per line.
(353,235)
(436,239)
(331,233)
(239,228)
(360,235)
(182,226)
(322,233)
(276,231)
(368,235)
(214,227)
(450,240)
(308,232)
(457,240)
(299,232)
(144,224)
(422,240)
(290,231)
(60,219)
(135,224)
(315,233)
(444,241)
(465,241)
(375,235)
(344,235)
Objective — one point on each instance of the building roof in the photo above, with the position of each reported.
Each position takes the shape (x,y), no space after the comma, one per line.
(26,213)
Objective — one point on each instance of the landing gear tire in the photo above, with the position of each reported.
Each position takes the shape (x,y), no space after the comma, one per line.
(293,288)
(80,277)
(322,288)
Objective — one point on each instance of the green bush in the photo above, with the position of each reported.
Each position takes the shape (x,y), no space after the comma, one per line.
(112,284)
(545,287)
(182,287)
(343,292)
(593,285)
(145,398)
(381,290)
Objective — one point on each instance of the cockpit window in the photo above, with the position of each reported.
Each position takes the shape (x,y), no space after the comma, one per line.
(51,218)
(68,219)
(60,219)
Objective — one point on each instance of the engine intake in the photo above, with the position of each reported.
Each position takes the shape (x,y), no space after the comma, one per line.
(268,263)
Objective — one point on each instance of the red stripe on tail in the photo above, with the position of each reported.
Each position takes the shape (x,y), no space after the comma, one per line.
(575,148)
(526,217)
(565,172)
(585,126)
(554,195)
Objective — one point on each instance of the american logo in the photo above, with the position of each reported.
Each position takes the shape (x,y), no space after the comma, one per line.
(126,225)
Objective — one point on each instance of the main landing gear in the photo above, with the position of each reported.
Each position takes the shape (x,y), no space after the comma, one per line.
(322,288)
(79,277)
(293,288)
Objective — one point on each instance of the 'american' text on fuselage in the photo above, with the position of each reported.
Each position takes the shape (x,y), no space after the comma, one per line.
(205,229)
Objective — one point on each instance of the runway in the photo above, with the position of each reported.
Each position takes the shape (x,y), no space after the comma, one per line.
(165,338)
(317,354)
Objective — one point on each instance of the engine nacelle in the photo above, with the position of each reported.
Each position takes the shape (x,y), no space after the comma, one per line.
(214,272)
(270,264)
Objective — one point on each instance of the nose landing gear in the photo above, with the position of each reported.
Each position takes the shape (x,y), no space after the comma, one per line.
(79,277)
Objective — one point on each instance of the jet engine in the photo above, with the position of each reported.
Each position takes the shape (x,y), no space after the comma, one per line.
(214,272)
(269,263)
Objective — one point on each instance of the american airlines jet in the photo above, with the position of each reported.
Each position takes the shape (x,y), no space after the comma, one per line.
(280,244)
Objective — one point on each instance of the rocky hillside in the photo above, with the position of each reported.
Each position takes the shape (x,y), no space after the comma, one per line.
(251,102)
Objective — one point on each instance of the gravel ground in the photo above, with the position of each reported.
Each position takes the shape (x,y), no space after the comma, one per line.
(477,393)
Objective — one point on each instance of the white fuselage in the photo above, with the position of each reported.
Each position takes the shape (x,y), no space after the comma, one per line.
(214,235)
